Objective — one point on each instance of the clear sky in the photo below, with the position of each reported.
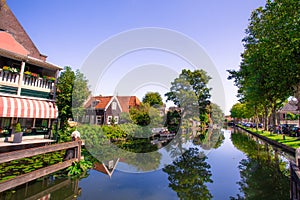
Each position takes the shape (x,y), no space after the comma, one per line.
(67,31)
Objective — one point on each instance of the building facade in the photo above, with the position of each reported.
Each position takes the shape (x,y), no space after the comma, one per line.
(27,81)
(101,110)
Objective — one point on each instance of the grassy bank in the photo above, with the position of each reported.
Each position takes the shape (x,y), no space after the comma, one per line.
(293,142)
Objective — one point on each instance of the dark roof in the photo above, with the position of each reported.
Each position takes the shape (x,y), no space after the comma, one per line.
(291,106)
(10,24)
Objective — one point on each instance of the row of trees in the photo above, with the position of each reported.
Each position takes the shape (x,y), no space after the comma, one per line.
(189,92)
(270,68)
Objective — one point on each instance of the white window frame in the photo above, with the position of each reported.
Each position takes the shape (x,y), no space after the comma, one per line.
(109,118)
(114,105)
(116,119)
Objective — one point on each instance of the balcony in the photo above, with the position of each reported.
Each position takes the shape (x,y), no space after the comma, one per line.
(11,79)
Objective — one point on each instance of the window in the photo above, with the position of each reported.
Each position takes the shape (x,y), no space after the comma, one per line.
(26,122)
(99,120)
(95,103)
(41,123)
(92,121)
(116,119)
(109,119)
(87,118)
(114,105)
(4,123)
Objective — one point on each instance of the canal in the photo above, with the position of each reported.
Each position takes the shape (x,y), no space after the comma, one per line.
(220,164)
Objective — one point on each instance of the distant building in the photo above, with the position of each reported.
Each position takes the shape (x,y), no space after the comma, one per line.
(27,81)
(290,107)
(102,110)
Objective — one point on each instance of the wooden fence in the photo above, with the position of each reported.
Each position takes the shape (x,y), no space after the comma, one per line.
(24,178)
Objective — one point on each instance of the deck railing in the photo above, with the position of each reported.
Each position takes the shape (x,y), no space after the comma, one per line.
(12,79)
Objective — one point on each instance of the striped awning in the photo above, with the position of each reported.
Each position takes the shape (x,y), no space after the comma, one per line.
(27,108)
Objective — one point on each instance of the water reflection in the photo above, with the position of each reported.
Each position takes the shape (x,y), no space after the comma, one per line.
(189,174)
(48,187)
(264,175)
(235,163)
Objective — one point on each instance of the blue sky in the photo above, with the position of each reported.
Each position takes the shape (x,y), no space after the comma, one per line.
(69,30)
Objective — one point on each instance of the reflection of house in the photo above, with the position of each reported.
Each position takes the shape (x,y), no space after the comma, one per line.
(107,167)
(289,108)
(105,109)
(27,87)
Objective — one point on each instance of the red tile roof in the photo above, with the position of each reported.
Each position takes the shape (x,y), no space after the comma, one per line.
(125,102)
(8,42)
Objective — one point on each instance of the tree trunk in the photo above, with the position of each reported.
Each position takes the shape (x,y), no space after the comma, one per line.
(266,116)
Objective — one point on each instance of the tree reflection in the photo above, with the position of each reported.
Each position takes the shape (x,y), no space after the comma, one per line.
(188,175)
(209,138)
(262,176)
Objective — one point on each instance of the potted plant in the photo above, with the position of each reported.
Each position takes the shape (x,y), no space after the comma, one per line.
(6,69)
(17,135)
(27,74)
(14,70)
(35,75)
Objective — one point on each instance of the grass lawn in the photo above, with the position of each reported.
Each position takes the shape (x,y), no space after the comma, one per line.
(293,142)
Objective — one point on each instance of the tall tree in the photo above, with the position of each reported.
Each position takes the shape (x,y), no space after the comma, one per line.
(64,86)
(72,91)
(217,114)
(269,71)
(153,98)
(80,94)
(190,92)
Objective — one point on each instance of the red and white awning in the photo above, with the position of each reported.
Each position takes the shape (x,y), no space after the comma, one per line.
(27,108)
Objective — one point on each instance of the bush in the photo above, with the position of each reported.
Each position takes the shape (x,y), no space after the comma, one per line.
(18,128)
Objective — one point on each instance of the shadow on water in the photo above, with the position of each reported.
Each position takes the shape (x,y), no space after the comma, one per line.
(264,175)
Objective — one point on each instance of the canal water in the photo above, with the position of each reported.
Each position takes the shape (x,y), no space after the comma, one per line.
(222,164)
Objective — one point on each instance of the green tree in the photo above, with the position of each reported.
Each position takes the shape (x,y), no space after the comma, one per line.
(190,92)
(80,94)
(269,71)
(140,115)
(64,86)
(217,115)
(153,99)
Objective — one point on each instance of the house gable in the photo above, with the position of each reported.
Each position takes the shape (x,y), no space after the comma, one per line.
(12,26)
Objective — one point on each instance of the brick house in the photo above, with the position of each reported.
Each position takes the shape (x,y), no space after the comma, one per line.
(27,81)
(102,110)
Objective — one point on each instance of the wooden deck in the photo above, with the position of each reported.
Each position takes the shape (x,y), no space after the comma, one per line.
(26,142)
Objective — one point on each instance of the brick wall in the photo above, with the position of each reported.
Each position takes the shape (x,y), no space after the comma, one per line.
(9,23)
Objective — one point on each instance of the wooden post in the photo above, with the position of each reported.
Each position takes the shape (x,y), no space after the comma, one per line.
(21,78)
(297,156)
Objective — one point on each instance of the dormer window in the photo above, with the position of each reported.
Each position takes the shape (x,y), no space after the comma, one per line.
(94,103)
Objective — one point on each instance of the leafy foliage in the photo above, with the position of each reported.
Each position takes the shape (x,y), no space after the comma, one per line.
(269,71)
(153,99)
(78,168)
(190,92)
(72,91)
(189,174)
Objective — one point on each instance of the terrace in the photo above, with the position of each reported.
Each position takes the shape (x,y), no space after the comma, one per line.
(12,79)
